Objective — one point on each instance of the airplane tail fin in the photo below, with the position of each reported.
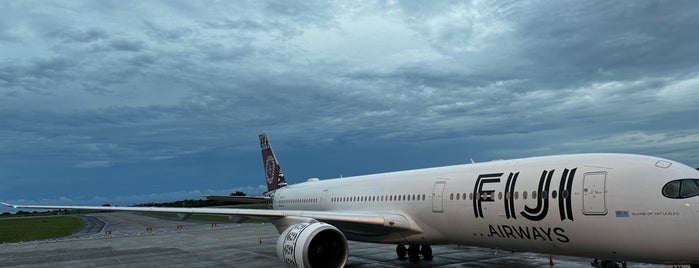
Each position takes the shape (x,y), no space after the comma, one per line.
(273,172)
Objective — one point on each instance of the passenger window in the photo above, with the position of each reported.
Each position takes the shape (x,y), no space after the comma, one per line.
(499,195)
(689,188)
(524,195)
(516,195)
(553,194)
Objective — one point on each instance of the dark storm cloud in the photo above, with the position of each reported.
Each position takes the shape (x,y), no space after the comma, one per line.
(611,42)
(163,33)
(79,35)
(97,92)
(126,45)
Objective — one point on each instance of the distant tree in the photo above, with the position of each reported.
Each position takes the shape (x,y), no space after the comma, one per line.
(238,193)
(21,212)
(6,213)
(107,205)
(189,203)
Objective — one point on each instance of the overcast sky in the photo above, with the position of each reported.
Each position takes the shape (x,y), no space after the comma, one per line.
(124,102)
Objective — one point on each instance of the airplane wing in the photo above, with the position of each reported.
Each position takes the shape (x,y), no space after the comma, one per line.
(394,221)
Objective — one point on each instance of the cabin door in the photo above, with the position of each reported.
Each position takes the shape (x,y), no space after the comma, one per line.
(594,193)
(324,200)
(438,197)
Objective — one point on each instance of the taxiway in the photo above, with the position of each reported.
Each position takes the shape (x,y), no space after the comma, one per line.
(201,244)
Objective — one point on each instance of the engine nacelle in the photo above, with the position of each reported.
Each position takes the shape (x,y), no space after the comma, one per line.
(313,244)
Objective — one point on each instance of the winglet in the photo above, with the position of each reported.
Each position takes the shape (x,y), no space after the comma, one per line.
(8,205)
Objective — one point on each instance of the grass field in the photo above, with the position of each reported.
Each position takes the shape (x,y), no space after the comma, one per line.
(37,228)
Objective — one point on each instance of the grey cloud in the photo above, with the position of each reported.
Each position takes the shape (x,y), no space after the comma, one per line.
(164,33)
(548,78)
(241,24)
(623,40)
(227,52)
(126,45)
(80,35)
(37,75)
(51,67)
(142,60)
(304,12)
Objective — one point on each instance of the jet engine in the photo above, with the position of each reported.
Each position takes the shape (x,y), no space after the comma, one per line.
(313,244)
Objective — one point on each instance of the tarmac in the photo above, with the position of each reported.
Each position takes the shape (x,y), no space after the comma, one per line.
(123,239)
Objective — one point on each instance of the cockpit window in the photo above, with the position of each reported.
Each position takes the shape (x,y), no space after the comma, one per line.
(672,189)
(683,188)
(689,188)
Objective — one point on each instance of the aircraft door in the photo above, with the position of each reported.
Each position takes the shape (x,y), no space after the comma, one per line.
(324,200)
(438,197)
(594,193)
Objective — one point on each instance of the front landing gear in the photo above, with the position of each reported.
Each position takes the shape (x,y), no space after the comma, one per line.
(426,251)
(608,264)
(414,251)
(401,252)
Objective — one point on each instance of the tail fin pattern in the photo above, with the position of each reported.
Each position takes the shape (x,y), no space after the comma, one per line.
(273,172)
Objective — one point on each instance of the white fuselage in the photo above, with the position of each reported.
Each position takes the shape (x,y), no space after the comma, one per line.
(606,206)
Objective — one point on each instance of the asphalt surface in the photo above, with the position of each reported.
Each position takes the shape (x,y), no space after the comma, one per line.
(142,241)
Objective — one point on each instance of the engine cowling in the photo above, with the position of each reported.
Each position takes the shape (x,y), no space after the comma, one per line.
(313,244)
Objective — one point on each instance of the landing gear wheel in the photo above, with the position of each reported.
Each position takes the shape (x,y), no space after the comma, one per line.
(401,252)
(426,251)
(608,264)
(414,253)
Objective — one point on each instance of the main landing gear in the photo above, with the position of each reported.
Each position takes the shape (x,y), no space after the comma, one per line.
(414,252)
(608,264)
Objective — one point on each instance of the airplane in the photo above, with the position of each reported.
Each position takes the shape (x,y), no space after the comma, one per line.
(610,207)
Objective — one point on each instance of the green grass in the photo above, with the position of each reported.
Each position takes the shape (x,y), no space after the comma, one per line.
(38,228)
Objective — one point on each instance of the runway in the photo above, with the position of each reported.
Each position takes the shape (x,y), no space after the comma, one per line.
(199,244)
